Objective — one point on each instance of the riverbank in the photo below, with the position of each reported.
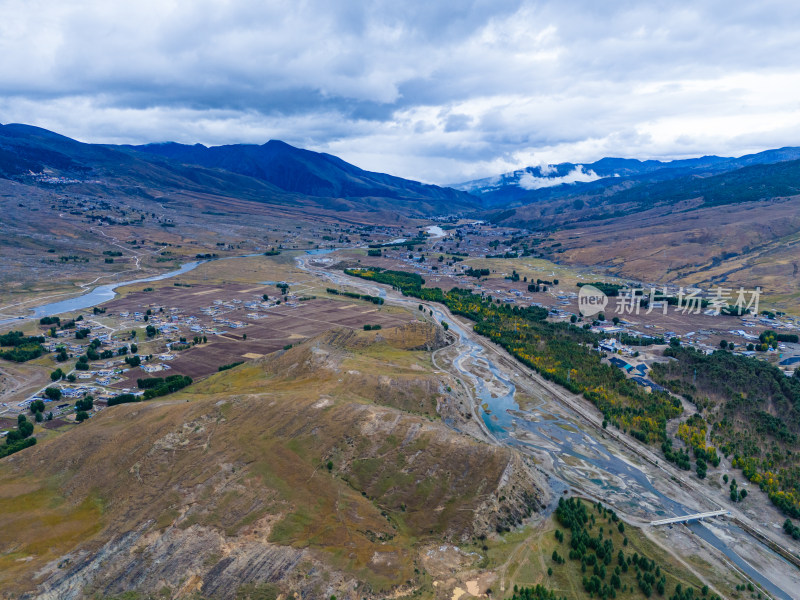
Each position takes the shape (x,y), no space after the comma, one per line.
(565,436)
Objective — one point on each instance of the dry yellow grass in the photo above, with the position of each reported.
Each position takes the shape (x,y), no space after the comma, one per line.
(252,445)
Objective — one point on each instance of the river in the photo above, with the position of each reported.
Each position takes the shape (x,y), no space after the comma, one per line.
(503,416)
(563,441)
(435,231)
(104,293)
(98,295)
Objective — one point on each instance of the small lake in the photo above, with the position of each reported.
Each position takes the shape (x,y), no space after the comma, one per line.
(435,231)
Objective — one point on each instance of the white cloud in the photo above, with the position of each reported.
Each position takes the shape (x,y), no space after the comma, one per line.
(436,91)
(578,174)
(547,169)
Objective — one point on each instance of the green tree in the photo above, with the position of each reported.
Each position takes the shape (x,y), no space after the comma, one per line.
(702,468)
(24,427)
(53,393)
(85,404)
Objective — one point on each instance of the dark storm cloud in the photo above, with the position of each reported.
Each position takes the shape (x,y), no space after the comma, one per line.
(439,91)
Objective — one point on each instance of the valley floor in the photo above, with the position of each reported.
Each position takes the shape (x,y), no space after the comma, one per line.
(385,463)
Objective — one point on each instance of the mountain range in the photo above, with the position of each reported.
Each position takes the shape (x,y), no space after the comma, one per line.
(274,173)
(279,174)
(533,184)
(303,171)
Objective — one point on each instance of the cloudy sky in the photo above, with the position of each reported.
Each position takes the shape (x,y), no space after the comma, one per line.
(432,90)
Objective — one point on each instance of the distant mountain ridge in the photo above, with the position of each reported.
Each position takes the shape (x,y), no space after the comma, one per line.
(281,174)
(303,171)
(551,181)
(275,172)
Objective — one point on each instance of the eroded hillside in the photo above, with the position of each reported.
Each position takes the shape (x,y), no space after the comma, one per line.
(322,470)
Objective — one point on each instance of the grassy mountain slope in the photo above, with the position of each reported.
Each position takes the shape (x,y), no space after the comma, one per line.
(751,412)
(734,229)
(25,149)
(306,172)
(275,173)
(583,209)
(298,472)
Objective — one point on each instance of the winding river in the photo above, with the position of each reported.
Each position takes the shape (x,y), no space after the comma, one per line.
(502,416)
(561,440)
(96,296)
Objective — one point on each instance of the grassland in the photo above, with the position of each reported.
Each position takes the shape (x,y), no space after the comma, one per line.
(328,455)
(50,521)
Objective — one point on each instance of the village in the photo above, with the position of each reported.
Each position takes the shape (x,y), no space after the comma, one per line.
(453,259)
(195,330)
(192,331)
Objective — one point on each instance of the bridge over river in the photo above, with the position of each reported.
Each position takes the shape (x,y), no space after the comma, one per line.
(687,518)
